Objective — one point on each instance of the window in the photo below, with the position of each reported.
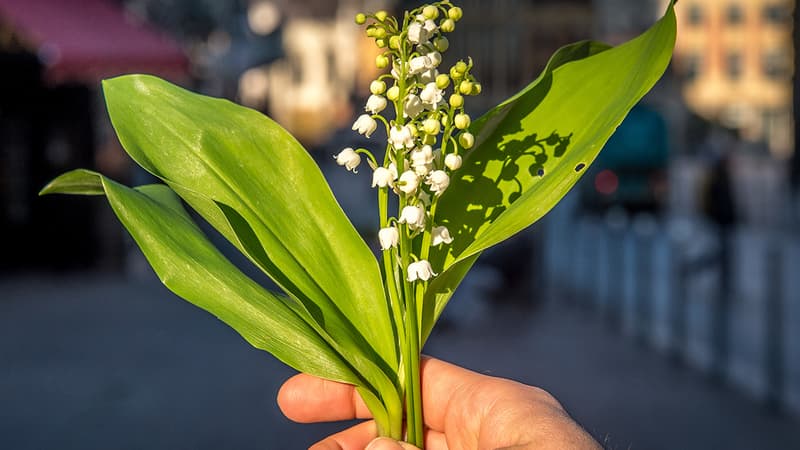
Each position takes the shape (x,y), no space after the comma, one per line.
(776,14)
(734,14)
(734,65)
(695,14)
(692,67)
(776,64)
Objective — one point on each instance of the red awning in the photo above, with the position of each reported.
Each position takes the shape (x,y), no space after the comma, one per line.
(88,40)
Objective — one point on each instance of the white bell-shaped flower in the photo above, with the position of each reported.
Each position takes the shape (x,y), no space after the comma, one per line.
(401,137)
(349,159)
(452,161)
(428,76)
(429,26)
(440,235)
(408,182)
(375,104)
(412,106)
(435,58)
(422,155)
(431,95)
(438,180)
(419,64)
(417,33)
(382,177)
(413,216)
(365,125)
(420,270)
(388,237)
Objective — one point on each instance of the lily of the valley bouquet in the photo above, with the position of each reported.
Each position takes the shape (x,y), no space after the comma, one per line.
(448,187)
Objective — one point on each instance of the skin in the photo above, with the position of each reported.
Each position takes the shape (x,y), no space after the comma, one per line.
(464,410)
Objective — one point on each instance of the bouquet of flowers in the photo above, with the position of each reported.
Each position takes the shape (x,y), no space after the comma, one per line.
(448,187)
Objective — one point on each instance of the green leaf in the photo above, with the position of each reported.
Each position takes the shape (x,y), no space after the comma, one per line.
(190,266)
(256,184)
(531,149)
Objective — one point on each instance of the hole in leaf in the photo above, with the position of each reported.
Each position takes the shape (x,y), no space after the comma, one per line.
(579,167)
(540,172)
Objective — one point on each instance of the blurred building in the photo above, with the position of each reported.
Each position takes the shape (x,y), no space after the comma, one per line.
(736,61)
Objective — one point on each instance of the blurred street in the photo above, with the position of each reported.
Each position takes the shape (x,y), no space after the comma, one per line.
(105,362)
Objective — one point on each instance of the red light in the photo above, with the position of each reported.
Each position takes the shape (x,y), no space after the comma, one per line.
(606,182)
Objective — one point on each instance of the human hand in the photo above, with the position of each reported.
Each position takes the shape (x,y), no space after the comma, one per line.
(463,410)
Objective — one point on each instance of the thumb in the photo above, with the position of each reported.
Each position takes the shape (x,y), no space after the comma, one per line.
(384,443)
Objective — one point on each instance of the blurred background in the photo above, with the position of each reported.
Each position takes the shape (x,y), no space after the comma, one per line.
(659,301)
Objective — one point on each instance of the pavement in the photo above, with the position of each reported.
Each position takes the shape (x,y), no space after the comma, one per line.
(105,362)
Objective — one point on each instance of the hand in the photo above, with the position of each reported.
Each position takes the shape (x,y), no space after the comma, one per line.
(463,410)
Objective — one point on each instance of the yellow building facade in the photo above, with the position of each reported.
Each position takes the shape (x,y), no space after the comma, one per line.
(736,61)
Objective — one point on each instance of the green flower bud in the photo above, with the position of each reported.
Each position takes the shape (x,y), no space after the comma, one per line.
(430,12)
(361,18)
(381,43)
(441,43)
(476,89)
(429,139)
(413,129)
(395,42)
(461,121)
(431,126)
(461,67)
(381,15)
(448,26)
(377,87)
(465,87)
(393,93)
(455,13)
(381,61)
(380,32)
(442,81)
(455,74)
(370,31)
(456,101)
(466,139)
(445,120)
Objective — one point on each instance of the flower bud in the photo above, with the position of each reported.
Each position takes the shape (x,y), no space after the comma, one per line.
(461,67)
(388,237)
(448,26)
(431,126)
(394,42)
(445,120)
(476,89)
(441,43)
(440,235)
(381,15)
(393,93)
(442,81)
(465,87)
(455,74)
(466,139)
(361,18)
(377,87)
(379,32)
(455,13)
(456,101)
(381,43)
(420,270)
(408,182)
(349,159)
(461,121)
(452,161)
(381,61)
(430,12)
(429,139)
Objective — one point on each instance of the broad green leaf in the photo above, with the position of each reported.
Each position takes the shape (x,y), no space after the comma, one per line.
(256,184)
(190,266)
(533,148)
